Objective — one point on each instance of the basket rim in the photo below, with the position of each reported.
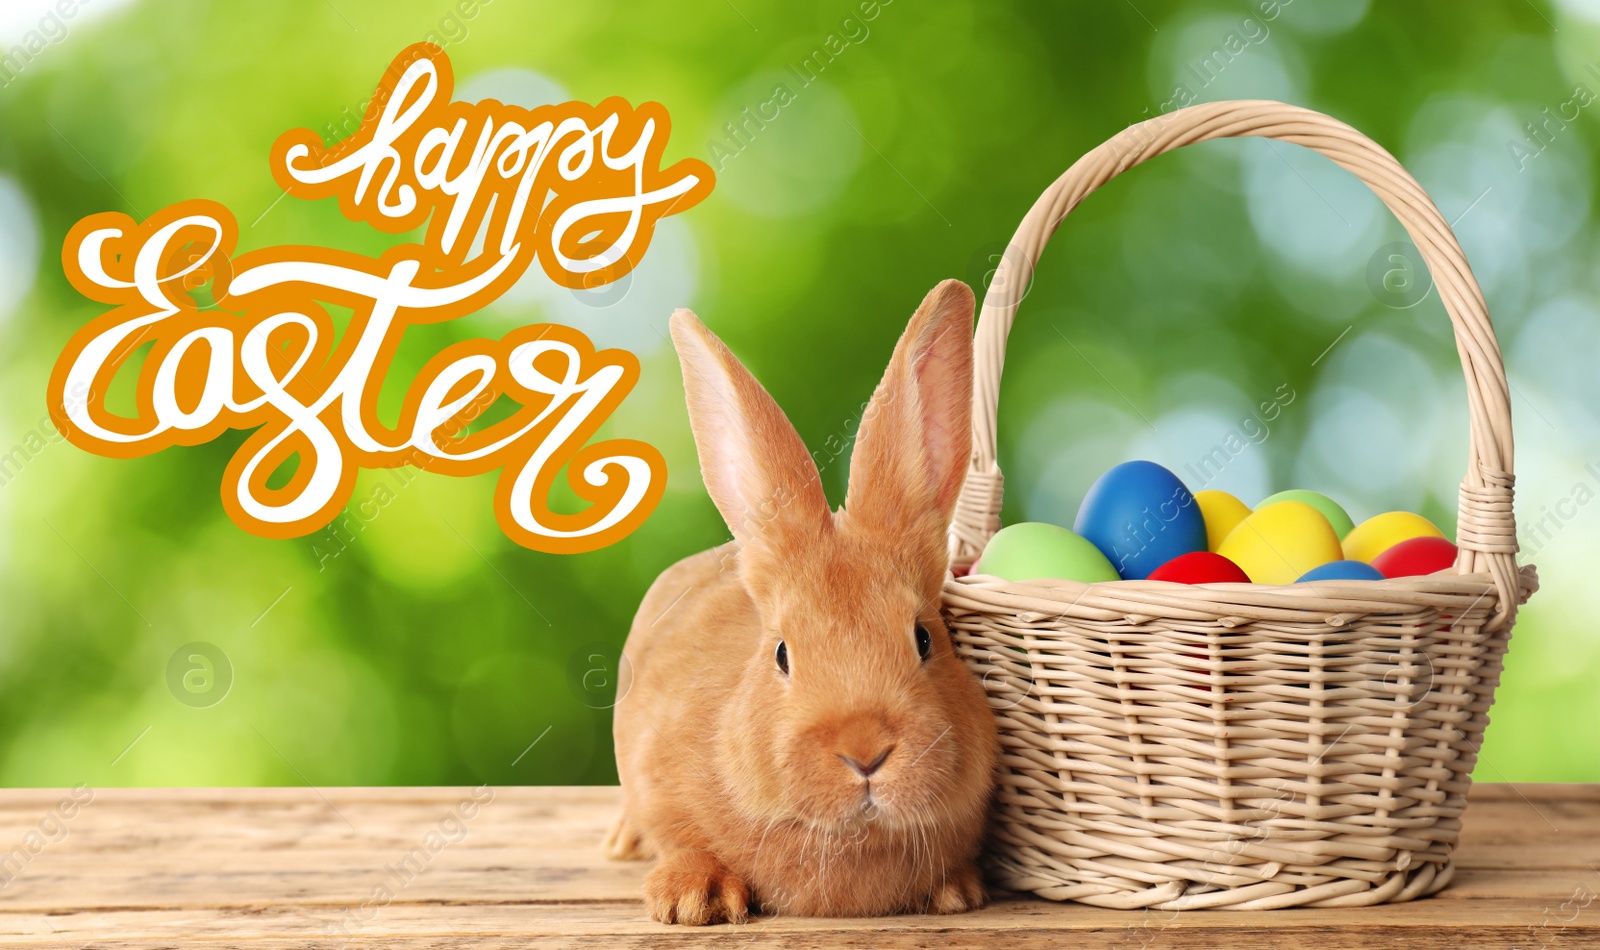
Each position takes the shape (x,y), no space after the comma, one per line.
(1486,526)
(1471,599)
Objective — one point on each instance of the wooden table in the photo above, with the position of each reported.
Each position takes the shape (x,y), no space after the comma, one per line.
(411,868)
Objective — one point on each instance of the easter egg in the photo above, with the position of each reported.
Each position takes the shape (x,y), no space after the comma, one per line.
(1141,516)
(1416,556)
(1280,542)
(1330,509)
(1379,533)
(1200,567)
(1342,571)
(1222,513)
(1034,550)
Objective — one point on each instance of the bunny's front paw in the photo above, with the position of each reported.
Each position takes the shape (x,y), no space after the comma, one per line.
(624,842)
(958,893)
(689,886)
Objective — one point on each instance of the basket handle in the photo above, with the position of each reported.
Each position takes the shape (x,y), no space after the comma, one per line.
(1486,533)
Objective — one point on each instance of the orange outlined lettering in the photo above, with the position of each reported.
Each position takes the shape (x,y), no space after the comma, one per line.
(576,187)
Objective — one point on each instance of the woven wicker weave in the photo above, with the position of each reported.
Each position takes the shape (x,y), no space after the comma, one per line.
(1241,745)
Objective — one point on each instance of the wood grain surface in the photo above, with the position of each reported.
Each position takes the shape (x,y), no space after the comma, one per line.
(431,867)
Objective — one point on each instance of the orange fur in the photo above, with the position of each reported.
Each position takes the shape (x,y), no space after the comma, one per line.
(735,773)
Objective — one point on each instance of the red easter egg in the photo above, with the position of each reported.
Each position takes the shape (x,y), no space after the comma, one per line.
(1416,556)
(1200,567)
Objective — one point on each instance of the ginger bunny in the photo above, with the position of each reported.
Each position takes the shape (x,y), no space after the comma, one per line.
(799,734)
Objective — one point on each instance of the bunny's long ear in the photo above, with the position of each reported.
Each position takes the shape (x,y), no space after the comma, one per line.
(911,455)
(755,466)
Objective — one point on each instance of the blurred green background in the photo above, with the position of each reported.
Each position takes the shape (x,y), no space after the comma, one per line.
(419,645)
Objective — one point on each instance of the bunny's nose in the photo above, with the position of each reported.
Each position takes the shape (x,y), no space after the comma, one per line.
(865,769)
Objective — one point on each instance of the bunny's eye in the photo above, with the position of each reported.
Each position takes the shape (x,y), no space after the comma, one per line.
(924,642)
(783,657)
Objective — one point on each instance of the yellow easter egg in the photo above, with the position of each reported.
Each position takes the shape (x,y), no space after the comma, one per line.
(1222,513)
(1379,533)
(1342,525)
(1279,542)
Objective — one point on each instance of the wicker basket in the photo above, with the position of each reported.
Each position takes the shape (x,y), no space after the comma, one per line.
(1236,745)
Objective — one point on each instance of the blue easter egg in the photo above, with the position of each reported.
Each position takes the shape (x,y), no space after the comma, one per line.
(1342,571)
(1141,516)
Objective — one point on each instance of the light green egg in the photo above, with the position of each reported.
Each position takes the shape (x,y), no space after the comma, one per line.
(1034,550)
(1337,518)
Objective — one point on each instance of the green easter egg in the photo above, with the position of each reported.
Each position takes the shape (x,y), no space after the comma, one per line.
(1337,518)
(1034,550)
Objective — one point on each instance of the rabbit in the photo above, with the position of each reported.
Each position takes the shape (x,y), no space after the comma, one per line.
(799,735)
